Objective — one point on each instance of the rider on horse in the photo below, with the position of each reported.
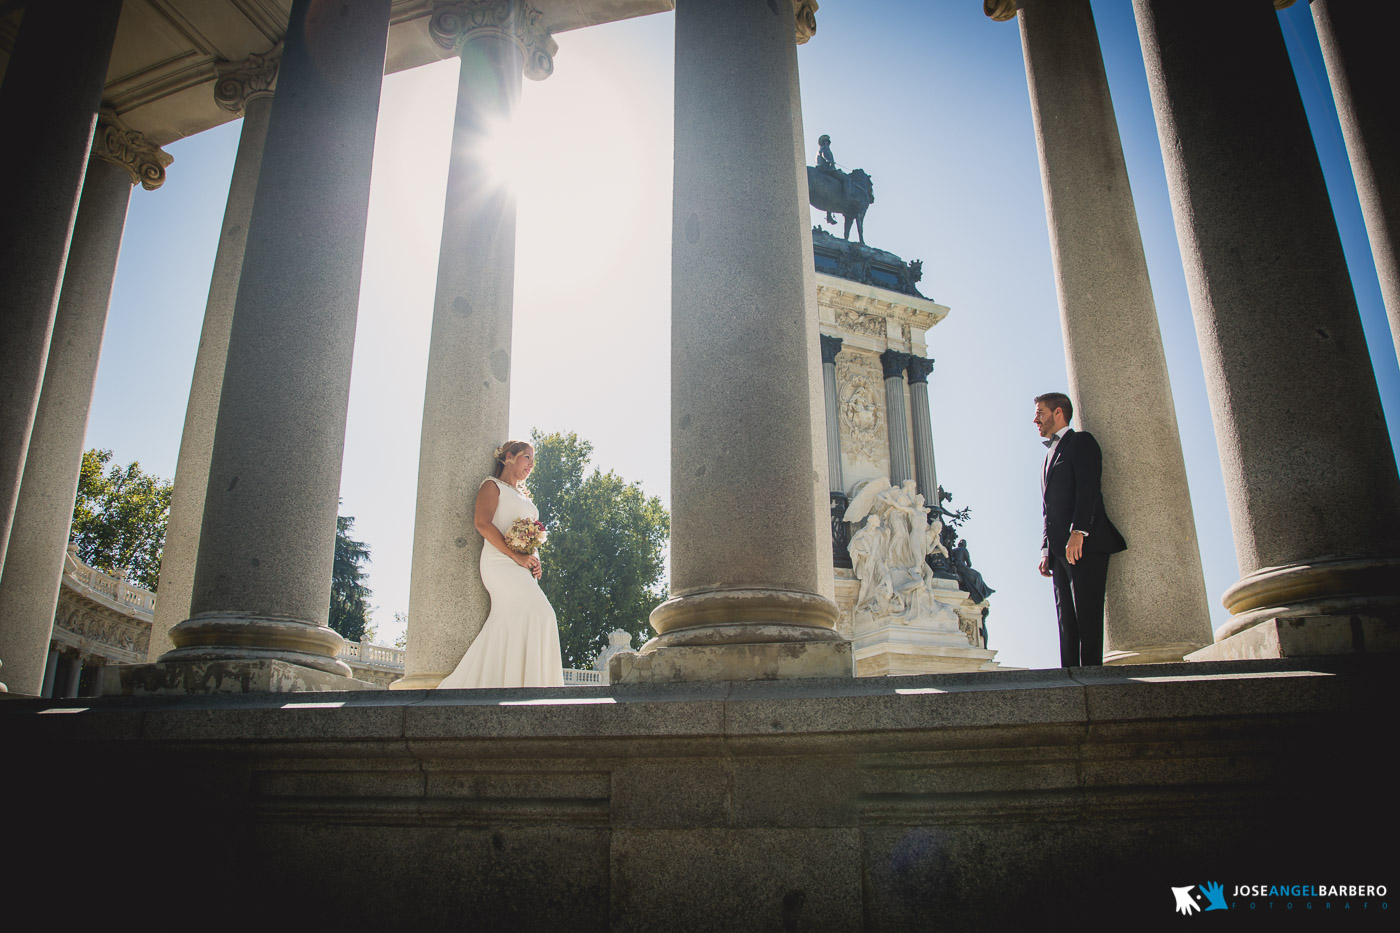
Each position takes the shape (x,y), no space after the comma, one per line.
(827,163)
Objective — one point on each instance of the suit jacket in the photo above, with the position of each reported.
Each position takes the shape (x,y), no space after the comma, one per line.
(1072,498)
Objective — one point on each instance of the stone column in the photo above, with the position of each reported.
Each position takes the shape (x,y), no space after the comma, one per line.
(894,363)
(50,674)
(263,574)
(467,401)
(751,541)
(1156,608)
(243,87)
(1309,474)
(925,474)
(48,107)
(34,563)
(1357,50)
(830,347)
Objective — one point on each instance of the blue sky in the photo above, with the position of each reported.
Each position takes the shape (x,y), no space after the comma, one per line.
(929,98)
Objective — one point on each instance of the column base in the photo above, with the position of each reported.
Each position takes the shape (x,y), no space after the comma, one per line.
(1353,586)
(735,661)
(231,637)
(1307,636)
(181,678)
(418,681)
(1151,654)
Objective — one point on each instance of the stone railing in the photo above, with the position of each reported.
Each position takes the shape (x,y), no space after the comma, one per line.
(574,677)
(380,656)
(105,588)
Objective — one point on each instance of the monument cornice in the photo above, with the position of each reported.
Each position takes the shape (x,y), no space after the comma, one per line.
(453,25)
(236,83)
(115,142)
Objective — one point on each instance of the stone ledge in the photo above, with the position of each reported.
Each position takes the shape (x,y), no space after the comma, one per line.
(1306,636)
(181,678)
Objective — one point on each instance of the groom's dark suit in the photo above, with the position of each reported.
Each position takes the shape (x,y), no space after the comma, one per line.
(1073,500)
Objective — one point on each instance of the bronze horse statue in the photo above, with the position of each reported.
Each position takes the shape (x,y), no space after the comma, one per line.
(841,193)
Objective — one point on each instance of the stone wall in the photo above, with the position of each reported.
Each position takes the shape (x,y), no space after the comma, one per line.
(965,801)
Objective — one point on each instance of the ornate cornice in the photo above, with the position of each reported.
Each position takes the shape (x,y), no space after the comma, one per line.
(806,20)
(239,82)
(454,24)
(894,362)
(114,142)
(1000,10)
(830,347)
(1284,4)
(919,368)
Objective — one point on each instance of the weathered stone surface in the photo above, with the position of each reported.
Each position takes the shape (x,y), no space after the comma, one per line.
(1306,636)
(179,677)
(763,661)
(822,804)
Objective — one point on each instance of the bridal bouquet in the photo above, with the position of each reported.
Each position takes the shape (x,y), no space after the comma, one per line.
(525,535)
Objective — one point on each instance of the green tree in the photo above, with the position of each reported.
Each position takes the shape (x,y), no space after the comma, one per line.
(119,518)
(350,612)
(604,560)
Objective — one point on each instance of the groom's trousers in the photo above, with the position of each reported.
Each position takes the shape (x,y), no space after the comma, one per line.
(1079,597)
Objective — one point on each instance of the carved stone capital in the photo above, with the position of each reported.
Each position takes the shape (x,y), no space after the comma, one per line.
(919,368)
(806,20)
(894,362)
(1000,10)
(114,142)
(830,347)
(455,24)
(239,82)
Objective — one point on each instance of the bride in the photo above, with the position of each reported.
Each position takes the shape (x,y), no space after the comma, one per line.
(518,646)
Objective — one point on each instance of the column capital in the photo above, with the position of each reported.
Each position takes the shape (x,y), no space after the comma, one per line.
(455,24)
(116,143)
(919,368)
(1000,10)
(806,11)
(830,347)
(894,363)
(236,83)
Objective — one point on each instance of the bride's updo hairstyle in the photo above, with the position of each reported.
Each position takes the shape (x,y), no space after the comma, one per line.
(505,452)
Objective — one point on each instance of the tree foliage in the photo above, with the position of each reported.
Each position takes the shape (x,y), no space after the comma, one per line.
(350,612)
(604,560)
(119,518)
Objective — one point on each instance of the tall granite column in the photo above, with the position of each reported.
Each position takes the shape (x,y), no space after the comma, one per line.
(34,563)
(1357,50)
(751,542)
(894,363)
(243,87)
(1309,474)
(1156,608)
(830,347)
(49,100)
(263,574)
(921,420)
(467,401)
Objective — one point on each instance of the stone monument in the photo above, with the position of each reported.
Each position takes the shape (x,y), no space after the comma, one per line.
(905,602)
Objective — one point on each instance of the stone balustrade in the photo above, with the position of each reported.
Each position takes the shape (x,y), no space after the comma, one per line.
(106,588)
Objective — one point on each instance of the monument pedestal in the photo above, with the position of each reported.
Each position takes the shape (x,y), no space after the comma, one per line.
(1306,636)
(183,678)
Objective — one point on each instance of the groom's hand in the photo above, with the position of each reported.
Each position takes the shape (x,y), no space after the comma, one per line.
(1045,566)
(1075,548)
(535,567)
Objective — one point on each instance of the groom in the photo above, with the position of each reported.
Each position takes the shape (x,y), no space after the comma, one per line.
(1077,537)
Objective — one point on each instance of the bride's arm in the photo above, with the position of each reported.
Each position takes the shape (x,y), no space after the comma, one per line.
(486,499)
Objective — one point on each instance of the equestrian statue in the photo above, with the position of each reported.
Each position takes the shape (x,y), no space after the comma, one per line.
(836,192)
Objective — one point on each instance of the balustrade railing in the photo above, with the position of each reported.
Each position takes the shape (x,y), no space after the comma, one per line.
(92,582)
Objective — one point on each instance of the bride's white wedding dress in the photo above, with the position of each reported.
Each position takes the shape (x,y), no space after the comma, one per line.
(519,644)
